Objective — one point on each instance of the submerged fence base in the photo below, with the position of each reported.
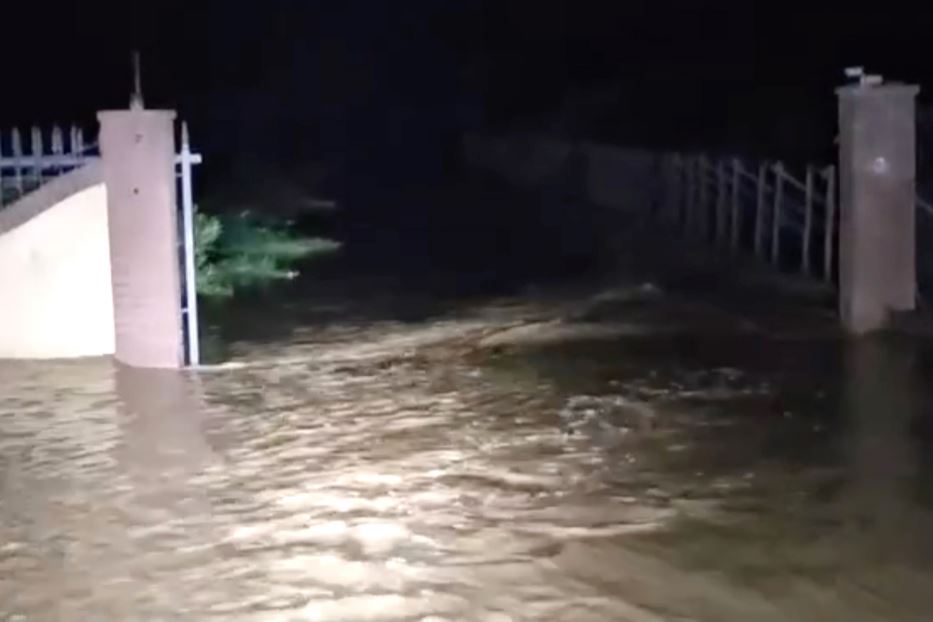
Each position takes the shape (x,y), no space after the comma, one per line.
(786,217)
(763,208)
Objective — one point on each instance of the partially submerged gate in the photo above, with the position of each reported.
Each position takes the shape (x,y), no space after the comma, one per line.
(189,294)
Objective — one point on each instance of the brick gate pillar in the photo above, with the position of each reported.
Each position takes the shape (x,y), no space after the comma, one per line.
(877,176)
(138,151)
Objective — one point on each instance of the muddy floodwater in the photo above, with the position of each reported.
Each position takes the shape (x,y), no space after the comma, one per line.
(621,455)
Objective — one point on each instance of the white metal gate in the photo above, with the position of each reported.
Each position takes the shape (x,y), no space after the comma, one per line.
(185,162)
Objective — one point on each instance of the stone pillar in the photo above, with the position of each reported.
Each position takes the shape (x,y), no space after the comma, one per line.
(138,151)
(877,175)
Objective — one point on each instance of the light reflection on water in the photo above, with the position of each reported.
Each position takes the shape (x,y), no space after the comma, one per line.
(431,488)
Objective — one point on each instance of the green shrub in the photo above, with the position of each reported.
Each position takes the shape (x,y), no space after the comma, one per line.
(243,251)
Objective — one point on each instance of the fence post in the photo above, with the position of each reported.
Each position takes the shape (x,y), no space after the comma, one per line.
(73,141)
(674,197)
(18,156)
(665,188)
(829,227)
(683,210)
(58,147)
(58,141)
(704,200)
(79,136)
(807,224)
(690,206)
(721,223)
(777,213)
(760,210)
(679,193)
(36,154)
(736,220)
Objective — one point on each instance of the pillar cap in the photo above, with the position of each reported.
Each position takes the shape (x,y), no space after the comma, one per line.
(103,115)
(888,89)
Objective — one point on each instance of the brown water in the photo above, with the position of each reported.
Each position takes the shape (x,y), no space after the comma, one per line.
(667,464)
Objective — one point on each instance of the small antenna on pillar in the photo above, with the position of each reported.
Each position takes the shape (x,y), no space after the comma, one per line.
(136,99)
(858,76)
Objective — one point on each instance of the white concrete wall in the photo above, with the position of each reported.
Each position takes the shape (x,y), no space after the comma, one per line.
(56,299)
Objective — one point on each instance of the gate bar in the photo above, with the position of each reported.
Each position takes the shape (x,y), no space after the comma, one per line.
(187,159)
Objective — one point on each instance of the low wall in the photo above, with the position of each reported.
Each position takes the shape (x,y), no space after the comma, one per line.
(624,179)
(627,180)
(55,284)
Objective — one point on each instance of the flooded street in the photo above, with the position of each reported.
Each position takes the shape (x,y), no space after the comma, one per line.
(617,456)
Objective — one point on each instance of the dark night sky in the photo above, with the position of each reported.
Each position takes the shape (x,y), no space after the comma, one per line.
(293,76)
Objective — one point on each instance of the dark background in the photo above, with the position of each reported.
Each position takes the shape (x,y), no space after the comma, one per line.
(293,76)
(382,90)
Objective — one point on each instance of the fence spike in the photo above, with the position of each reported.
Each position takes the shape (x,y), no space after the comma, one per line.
(1,170)
(58,140)
(17,140)
(736,219)
(18,156)
(36,141)
(721,203)
(807,223)
(760,210)
(777,214)
(829,225)
(704,224)
(37,149)
(690,217)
